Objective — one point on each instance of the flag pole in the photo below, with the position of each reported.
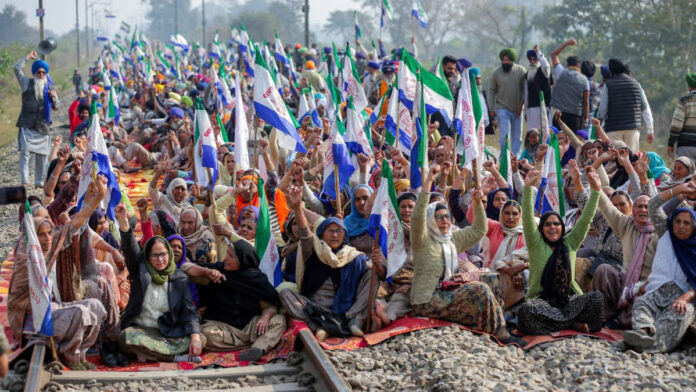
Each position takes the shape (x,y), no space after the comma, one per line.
(474,171)
(398,117)
(373,278)
(53,349)
(338,190)
(540,195)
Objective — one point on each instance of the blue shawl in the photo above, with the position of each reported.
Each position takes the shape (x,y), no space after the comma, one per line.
(355,224)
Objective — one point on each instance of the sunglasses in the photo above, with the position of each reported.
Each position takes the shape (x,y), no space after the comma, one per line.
(40,72)
(442,217)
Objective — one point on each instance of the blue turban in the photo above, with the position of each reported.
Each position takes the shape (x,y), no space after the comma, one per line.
(531,53)
(327,49)
(360,55)
(474,71)
(176,111)
(465,63)
(326,222)
(606,74)
(37,65)
(388,66)
(373,65)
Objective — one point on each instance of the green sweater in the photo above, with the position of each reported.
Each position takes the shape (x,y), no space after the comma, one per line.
(539,251)
(428,260)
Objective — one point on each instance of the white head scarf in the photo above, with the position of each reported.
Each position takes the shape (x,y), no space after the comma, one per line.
(445,240)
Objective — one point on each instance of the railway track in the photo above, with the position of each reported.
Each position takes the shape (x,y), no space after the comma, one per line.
(307,369)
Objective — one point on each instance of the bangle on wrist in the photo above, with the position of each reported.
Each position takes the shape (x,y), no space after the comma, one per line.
(671,192)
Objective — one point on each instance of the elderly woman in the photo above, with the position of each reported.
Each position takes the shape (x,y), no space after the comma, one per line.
(241,308)
(160,322)
(173,201)
(441,289)
(357,222)
(554,300)
(662,315)
(76,324)
(682,170)
(199,238)
(332,277)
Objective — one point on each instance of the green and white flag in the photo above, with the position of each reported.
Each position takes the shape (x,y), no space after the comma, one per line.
(385,218)
(436,92)
(265,242)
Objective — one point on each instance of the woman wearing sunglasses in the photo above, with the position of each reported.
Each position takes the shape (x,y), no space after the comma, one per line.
(554,300)
(444,287)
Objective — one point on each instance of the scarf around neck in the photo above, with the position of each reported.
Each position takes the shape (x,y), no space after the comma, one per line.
(159,277)
(507,245)
(633,273)
(449,251)
(556,279)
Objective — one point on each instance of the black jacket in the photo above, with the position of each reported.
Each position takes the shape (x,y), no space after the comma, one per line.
(182,318)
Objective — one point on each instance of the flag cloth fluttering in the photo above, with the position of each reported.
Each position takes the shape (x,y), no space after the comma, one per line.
(436,92)
(265,243)
(39,285)
(97,158)
(551,180)
(419,150)
(418,12)
(385,218)
(205,148)
(337,156)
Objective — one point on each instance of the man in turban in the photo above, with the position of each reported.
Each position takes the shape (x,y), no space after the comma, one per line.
(682,131)
(34,122)
(624,107)
(538,81)
(571,95)
(506,98)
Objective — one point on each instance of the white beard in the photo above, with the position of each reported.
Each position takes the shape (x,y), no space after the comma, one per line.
(531,72)
(39,85)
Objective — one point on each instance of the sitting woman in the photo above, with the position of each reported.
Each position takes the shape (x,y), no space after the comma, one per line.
(199,238)
(76,324)
(532,140)
(357,221)
(332,277)
(554,300)
(160,322)
(663,314)
(507,250)
(440,288)
(682,170)
(241,308)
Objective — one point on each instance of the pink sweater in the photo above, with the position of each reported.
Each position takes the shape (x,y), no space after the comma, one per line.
(495,236)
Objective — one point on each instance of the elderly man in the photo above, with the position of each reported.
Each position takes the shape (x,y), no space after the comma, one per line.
(683,128)
(506,99)
(538,81)
(34,122)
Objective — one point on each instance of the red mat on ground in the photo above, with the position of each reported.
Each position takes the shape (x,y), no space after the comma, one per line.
(610,335)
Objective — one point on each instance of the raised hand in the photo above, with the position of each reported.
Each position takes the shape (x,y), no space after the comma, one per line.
(623,158)
(593,179)
(63,154)
(294,197)
(642,165)
(574,170)
(434,171)
(120,213)
(477,196)
(363,161)
(489,165)
(541,151)
(32,55)
(532,177)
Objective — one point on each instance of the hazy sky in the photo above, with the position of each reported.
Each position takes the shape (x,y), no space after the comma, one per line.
(60,14)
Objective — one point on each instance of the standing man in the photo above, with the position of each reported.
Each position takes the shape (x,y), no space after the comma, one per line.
(77,81)
(506,98)
(571,96)
(623,107)
(34,122)
(538,81)
(683,128)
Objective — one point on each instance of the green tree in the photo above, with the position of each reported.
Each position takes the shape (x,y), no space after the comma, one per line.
(170,16)
(656,39)
(14,28)
(341,25)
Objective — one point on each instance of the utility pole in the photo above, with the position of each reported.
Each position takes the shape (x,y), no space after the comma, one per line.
(40,11)
(77,30)
(87,30)
(305,9)
(203,22)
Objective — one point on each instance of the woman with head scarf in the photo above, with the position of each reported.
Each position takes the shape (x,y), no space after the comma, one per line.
(241,308)
(173,201)
(554,299)
(332,277)
(160,322)
(657,167)
(199,238)
(532,141)
(178,245)
(443,287)
(663,314)
(682,170)
(357,222)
